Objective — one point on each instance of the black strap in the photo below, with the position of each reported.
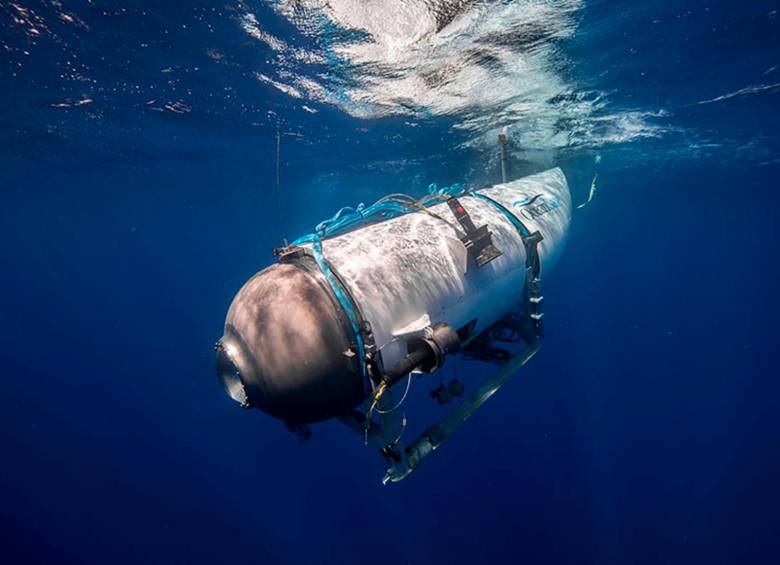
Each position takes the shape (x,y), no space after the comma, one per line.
(532,292)
(478,241)
(534,301)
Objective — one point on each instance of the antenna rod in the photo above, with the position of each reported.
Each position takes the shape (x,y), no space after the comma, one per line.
(502,144)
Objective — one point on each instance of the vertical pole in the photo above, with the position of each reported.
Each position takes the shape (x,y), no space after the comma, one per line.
(502,144)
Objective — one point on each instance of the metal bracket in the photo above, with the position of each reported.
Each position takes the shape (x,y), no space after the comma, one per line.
(432,438)
(478,241)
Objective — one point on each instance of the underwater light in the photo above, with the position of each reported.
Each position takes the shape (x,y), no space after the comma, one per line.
(228,371)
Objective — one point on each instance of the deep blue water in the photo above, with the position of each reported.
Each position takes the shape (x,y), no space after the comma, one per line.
(138,192)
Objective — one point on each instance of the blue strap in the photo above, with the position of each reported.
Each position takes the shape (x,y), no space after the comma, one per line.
(509,215)
(349,218)
(344,301)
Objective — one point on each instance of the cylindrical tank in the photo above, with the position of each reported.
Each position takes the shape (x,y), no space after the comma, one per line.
(286,347)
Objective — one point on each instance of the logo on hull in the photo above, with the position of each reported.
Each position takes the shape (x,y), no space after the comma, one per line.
(533,207)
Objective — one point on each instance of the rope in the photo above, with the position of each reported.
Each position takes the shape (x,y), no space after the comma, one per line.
(398,405)
(374,408)
(390,206)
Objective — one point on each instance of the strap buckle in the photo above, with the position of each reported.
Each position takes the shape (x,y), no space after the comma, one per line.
(478,241)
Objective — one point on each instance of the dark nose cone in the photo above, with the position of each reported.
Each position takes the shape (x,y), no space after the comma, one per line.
(285,347)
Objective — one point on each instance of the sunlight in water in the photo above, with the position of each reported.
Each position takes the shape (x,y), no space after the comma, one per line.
(487,64)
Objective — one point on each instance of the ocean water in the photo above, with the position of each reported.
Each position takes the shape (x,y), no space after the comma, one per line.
(140,186)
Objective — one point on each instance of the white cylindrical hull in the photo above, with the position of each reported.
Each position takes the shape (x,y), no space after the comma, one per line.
(408,272)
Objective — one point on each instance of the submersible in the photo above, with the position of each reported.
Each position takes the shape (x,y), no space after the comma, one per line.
(378,293)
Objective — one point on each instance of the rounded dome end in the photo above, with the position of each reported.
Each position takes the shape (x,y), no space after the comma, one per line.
(286,347)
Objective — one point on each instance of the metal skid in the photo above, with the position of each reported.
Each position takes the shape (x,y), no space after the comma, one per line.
(386,429)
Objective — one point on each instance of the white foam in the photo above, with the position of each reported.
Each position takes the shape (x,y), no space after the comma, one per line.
(488,64)
(286,88)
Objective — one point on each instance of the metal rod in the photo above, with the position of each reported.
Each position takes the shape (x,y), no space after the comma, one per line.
(432,438)
(503,163)
(502,145)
